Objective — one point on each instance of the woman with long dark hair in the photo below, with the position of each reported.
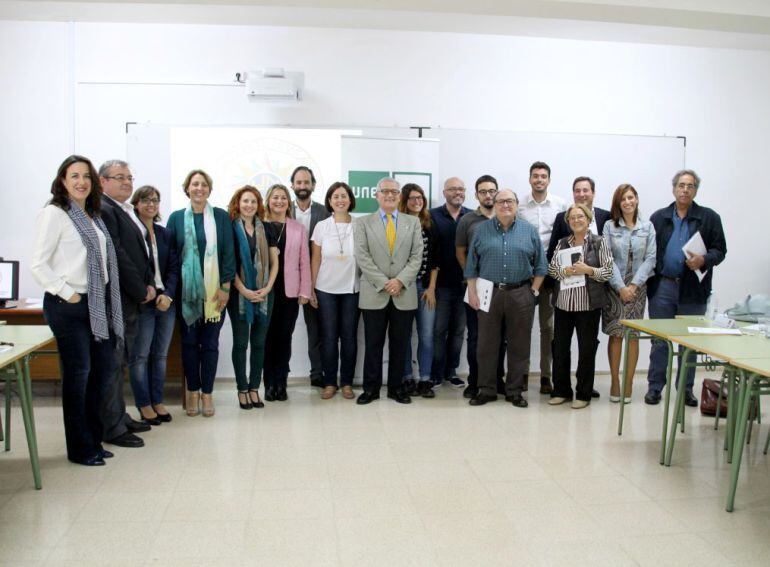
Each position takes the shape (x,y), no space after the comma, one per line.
(74,261)
(413,202)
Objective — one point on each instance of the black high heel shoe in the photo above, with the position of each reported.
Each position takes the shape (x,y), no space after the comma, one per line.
(244,396)
(258,403)
(149,420)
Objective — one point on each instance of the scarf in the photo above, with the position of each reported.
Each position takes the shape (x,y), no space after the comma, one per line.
(199,288)
(254,274)
(97,304)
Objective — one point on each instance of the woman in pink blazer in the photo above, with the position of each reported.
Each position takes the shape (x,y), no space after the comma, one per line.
(292,288)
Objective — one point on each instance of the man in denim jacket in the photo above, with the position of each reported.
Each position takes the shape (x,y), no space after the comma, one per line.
(675,288)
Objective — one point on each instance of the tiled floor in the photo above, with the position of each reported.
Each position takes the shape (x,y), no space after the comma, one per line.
(313,482)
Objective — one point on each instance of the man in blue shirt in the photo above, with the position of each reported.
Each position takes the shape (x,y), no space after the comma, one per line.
(507,251)
(675,288)
(449,329)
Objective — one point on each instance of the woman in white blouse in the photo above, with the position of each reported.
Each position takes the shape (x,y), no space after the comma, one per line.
(74,262)
(335,280)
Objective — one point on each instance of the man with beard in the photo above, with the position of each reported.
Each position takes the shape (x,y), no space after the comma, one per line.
(486,189)
(308,213)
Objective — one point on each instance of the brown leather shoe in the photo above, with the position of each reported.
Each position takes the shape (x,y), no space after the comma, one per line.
(545,385)
(328,392)
(347,392)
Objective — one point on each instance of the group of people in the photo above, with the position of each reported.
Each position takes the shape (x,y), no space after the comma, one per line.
(116,281)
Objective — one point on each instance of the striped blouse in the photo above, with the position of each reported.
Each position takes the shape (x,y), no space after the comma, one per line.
(576,298)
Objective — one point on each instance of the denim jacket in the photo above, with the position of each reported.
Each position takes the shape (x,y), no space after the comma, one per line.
(642,238)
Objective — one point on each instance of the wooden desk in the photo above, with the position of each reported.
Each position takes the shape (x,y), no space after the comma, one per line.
(26,340)
(47,367)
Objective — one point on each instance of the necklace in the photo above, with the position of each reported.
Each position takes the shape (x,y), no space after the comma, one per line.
(339,237)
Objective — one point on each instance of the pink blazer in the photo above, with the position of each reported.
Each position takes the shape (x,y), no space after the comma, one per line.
(296,265)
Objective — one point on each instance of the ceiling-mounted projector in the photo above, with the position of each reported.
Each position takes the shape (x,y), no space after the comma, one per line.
(274,84)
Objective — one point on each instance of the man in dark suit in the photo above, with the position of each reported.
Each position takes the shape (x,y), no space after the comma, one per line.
(309,213)
(136,270)
(583,193)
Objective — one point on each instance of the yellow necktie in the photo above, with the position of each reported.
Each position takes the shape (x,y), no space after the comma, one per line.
(390,233)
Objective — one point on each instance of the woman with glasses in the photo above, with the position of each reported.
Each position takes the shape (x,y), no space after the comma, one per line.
(335,278)
(251,300)
(632,242)
(74,261)
(292,289)
(155,321)
(581,265)
(413,202)
(203,237)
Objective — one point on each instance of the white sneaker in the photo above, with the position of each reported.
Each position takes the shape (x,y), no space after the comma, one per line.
(555,401)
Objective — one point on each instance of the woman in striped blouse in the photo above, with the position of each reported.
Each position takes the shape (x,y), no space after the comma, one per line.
(581,266)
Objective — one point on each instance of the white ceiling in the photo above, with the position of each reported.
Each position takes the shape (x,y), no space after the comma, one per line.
(716,23)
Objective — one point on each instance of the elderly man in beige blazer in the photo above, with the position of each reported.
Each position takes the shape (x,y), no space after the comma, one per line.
(389,254)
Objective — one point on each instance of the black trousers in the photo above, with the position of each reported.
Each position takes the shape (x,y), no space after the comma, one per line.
(472,322)
(278,340)
(313,327)
(515,309)
(398,325)
(586,323)
(113,412)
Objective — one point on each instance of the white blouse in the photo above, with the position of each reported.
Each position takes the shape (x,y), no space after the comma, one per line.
(338,272)
(59,259)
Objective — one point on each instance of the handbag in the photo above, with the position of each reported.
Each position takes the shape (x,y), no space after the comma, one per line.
(709,396)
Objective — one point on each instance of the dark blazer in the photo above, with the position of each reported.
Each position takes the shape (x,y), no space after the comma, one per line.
(168,261)
(561,229)
(709,224)
(134,265)
(318,213)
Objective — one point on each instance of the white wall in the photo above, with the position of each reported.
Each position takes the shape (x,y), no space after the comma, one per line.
(715,97)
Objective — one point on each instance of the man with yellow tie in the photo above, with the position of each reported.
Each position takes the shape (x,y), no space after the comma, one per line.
(389,255)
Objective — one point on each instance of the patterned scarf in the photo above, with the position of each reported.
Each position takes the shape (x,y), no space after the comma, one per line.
(97,307)
(254,275)
(199,288)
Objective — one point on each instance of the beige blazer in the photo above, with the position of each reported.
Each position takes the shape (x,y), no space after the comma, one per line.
(378,266)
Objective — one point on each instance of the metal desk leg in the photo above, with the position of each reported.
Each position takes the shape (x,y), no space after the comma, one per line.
(29,425)
(743,416)
(678,406)
(666,401)
(626,340)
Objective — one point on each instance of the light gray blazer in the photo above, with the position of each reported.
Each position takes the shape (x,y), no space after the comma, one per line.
(378,266)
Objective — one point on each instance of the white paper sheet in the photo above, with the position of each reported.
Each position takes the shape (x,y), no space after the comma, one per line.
(712,331)
(696,247)
(484,291)
(565,260)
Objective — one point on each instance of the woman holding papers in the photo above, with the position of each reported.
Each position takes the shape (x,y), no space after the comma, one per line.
(74,261)
(203,237)
(632,243)
(251,297)
(581,265)
(413,202)
(335,278)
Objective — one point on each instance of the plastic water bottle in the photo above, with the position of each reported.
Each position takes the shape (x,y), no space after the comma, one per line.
(712,307)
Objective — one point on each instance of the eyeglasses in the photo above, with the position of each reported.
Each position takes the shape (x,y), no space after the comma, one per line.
(121,178)
(149,200)
(486,192)
(688,186)
(506,202)
(455,189)
(416,199)
(390,192)
(577,217)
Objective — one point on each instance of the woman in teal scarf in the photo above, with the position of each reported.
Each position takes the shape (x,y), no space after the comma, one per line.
(251,300)
(203,237)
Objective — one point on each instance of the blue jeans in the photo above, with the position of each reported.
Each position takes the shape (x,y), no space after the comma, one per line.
(87,367)
(338,322)
(665,305)
(200,354)
(147,365)
(426,319)
(448,333)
